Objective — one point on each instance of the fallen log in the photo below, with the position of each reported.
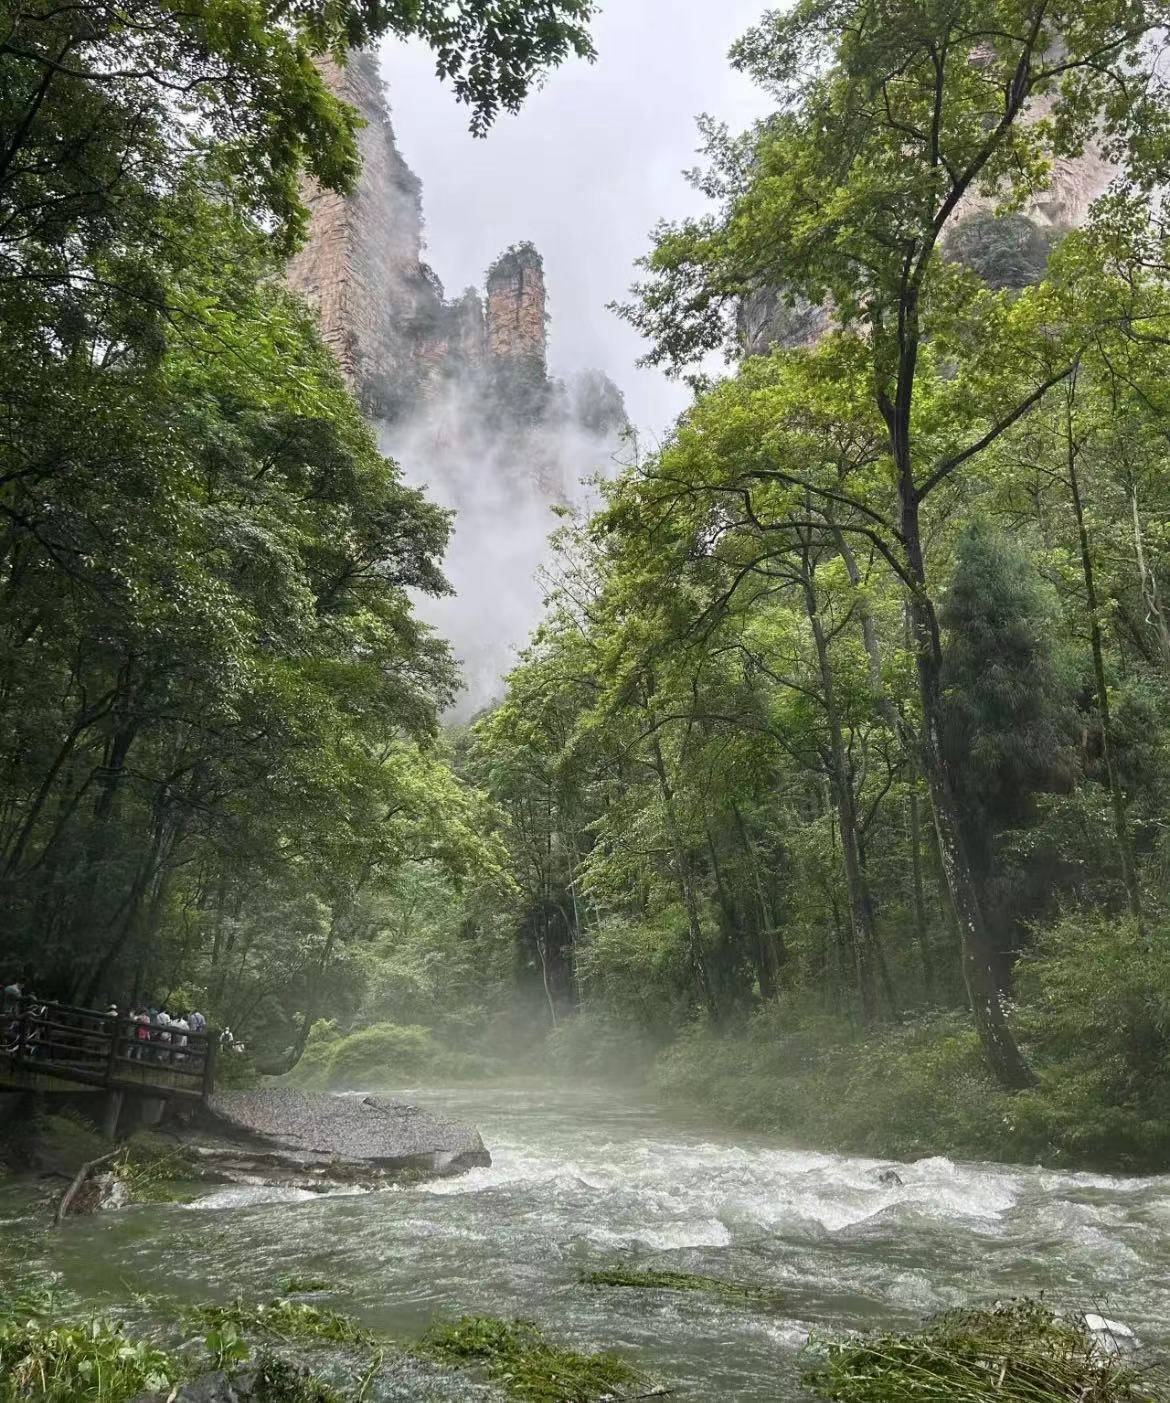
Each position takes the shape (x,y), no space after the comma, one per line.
(78,1179)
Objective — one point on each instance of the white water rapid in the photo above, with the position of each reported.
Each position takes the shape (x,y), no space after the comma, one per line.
(587,1181)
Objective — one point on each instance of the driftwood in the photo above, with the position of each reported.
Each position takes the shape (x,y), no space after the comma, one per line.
(78,1179)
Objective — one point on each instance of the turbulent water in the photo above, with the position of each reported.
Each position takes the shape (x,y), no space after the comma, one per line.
(591,1181)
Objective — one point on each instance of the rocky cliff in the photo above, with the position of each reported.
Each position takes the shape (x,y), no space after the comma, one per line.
(383,310)
(459,389)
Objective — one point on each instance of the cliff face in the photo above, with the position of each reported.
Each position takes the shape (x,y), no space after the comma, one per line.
(399,341)
(459,390)
(516,316)
(362,266)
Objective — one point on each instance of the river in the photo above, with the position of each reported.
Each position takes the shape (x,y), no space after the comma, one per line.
(590,1180)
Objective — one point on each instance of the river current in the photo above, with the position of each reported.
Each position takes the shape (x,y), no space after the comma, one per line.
(593,1180)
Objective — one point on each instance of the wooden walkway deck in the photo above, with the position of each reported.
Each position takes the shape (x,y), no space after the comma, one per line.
(46,1047)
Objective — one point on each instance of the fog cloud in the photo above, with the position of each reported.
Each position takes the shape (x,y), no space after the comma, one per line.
(595,159)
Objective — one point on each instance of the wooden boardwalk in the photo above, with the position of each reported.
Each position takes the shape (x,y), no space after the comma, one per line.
(46,1047)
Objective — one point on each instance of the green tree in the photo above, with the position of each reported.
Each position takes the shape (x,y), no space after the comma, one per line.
(1008,714)
(891,117)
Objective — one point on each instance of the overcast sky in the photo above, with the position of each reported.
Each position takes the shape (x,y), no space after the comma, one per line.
(584,171)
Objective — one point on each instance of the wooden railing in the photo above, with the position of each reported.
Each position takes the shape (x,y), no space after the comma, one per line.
(105,1049)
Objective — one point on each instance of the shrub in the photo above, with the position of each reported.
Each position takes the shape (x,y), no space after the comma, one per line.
(384,1055)
(1095,1008)
(1020,1352)
(596,1044)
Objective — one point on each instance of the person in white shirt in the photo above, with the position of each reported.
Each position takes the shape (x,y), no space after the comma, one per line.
(179,1030)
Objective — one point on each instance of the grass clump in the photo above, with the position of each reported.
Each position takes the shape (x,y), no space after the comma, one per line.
(93,1362)
(282,1320)
(652,1279)
(516,1355)
(1019,1352)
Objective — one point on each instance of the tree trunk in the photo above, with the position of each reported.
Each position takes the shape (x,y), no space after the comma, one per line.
(841,781)
(999,1044)
(772,953)
(921,930)
(684,874)
(1155,614)
(1116,799)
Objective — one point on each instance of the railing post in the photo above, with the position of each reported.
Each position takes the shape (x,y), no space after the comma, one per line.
(112,1056)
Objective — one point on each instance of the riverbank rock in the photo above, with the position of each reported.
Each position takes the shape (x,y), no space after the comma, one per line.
(100,1193)
(271,1379)
(314,1141)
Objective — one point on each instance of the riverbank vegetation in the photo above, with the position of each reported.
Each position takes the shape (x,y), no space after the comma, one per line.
(834,784)
(1021,1350)
(832,792)
(1018,1351)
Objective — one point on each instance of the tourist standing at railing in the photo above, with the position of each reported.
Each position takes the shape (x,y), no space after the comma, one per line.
(179,1030)
(141,1033)
(9,1009)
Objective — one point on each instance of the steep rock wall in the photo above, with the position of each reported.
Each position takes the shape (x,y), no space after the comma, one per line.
(459,390)
(362,268)
(516,310)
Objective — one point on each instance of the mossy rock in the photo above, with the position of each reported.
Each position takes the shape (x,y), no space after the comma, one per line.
(386,1054)
(61,1143)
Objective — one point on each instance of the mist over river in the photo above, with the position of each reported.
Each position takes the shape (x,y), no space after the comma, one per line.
(589,1180)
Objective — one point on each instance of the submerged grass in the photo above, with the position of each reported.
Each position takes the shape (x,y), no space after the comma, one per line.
(516,1355)
(1019,1352)
(652,1279)
(283,1320)
(303,1285)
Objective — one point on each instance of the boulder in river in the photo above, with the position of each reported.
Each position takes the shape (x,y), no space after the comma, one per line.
(312,1140)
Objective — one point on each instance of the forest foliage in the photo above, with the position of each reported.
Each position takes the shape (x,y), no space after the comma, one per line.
(839,763)
(834,782)
(218,707)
